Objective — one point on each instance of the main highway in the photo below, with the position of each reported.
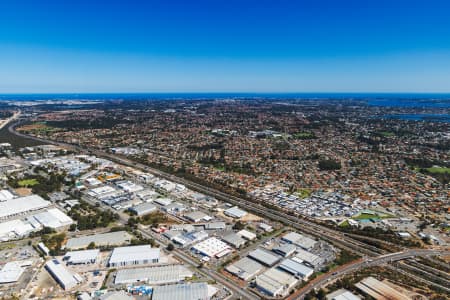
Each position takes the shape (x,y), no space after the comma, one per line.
(337,238)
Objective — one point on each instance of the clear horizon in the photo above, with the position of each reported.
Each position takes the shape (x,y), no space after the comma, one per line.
(224,47)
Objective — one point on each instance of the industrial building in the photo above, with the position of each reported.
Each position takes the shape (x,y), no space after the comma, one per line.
(116,238)
(275,282)
(64,277)
(53,218)
(192,291)
(143,209)
(308,258)
(82,257)
(245,268)
(14,229)
(265,257)
(196,216)
(163,201)
(250,236)
(215,226)
(12,271)
(235,212)
(234,240)
(299,240)
(134,255)
(379,290)
(295,268)
(284,249)
(153,275)
(342,294)
(212,247)
(18,206)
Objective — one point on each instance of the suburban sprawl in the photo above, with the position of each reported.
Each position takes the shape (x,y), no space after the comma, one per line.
(223,199)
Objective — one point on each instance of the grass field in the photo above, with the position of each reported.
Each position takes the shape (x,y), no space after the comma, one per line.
(438,170)
(304,135)
(376,216)
(28,182)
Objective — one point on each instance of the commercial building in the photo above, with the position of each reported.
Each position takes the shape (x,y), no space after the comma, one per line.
(18,206)
(265,257)
(134,255)
(82,257)
(235,212)
(275,282)
(192,291)
(116,238)
(245,268)
(299,240)
(342,294)
(215,226)
(295,268)
(379,290)
(153,275)
(143,209)
(64,277)
(116,295)
(11,272)
(212,247)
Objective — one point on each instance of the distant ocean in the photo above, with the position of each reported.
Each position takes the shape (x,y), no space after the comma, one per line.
(372,99)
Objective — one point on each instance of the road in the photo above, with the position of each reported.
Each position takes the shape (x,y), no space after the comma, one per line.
(298,222)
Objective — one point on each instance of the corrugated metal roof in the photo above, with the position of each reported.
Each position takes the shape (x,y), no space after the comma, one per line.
(153,275)
(193,291)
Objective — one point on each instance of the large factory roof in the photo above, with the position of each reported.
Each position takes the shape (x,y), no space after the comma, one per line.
(153,275)
(20,205)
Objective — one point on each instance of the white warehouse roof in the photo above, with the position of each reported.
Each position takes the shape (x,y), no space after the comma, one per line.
(11,272)
(235,212)
(131,254)
(16,206)
(63,276)
(153,275)
(193,291)
(83,256)
(53,218)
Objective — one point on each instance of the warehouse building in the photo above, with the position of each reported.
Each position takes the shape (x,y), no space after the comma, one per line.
(275,282)
(196,216)
(82,257)
(299,240)
(284,249)
(379,290)
(342,294)
(245,268)
(11,272)
(163,201)
(116,238)
(234,240)
(295,268)
(192,291)
(215,226)
(134,255)
(235,212)
(64,277)
(308,258)
(153,275)
(212,247)
(143,209)
(250,236)
(265,257)
(14,229)
(19,206)
(53,218)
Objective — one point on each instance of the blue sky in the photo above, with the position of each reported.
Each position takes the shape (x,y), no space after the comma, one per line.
(224,46)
